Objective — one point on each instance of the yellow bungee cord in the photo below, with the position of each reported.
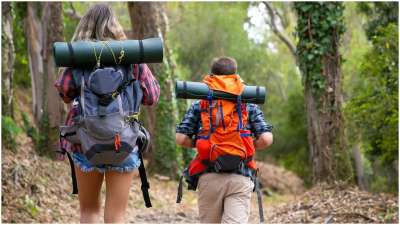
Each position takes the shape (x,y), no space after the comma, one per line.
(98,57)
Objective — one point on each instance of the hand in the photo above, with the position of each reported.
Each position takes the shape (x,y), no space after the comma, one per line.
(184,140)
(60,156)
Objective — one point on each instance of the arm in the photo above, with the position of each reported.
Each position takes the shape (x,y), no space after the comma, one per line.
(184,140)
(259,127)
(148,83)
(264,140)
(188,127)
(66,86)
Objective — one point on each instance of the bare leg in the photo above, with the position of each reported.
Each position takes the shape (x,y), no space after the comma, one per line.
(117,193)
(89,187)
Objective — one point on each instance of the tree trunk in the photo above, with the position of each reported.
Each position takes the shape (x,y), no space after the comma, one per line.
(34,39)
(329,157)
(320,66)
(53,18)
(148,19)
(359,168)
(8,57)
(41,33)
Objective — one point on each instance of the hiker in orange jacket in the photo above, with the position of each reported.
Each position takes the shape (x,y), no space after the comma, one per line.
(225,136)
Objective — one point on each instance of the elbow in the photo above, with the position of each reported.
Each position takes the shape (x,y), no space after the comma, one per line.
(265,140)
(180,139)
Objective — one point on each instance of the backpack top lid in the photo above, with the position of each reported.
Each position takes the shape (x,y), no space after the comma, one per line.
(231,84)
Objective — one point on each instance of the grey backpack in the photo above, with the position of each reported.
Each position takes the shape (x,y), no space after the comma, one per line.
(107,108)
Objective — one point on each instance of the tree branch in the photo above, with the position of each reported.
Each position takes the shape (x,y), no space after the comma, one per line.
(277,32)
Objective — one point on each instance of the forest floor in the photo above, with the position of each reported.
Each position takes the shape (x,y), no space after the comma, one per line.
(37,189)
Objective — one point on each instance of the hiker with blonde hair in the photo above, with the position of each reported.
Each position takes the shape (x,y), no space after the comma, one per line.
(100,24)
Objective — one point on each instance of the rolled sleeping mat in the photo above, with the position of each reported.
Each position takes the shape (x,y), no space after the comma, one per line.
(84,53)
(198,90)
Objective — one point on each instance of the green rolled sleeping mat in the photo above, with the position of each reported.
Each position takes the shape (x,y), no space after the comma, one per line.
(198,90)
(124,52)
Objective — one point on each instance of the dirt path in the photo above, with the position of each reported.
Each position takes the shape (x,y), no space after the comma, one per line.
(38,190)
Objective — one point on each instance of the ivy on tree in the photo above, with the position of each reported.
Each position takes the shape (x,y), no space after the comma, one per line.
(316,28)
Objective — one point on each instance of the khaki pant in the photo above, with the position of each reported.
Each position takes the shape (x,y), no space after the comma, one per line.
(224,198)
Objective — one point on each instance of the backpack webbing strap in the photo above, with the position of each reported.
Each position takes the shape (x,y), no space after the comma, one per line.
(184,90)
(82,96)
(180,190)
(210,102)
(222,115)
(145,184)
(71,52)
(259,198)
(73,175)
(239,112)
(141,51)
(139,71)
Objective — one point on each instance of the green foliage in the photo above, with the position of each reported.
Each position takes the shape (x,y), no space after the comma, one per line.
(373,110)
(27,125)
(380,14)
(9,130)
(69,23)
(290,146)
(42,137)
(220,32)
(319,25)
(39,140)
(31,206)
(167,156)
(21,66)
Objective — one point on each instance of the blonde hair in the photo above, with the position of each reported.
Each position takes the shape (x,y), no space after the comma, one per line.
(99,23)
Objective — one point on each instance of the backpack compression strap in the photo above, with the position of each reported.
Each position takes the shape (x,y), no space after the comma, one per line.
(145,184)
(257,189)
(73,175)
(180,190)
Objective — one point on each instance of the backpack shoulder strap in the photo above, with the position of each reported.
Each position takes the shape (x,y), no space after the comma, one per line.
(140,71)
(137,70)
(76,76)
(239,112)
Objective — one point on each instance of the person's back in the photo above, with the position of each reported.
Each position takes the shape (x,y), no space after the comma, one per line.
(224,165)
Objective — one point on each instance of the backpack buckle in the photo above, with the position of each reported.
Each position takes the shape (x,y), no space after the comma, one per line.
(114,94)
(132,118)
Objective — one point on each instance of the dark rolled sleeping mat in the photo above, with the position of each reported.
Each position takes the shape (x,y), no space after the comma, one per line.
(82,54)
(198,90)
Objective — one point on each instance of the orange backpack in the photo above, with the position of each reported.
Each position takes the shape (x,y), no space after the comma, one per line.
(223,144)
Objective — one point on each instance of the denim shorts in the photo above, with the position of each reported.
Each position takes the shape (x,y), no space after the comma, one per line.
(131,163)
